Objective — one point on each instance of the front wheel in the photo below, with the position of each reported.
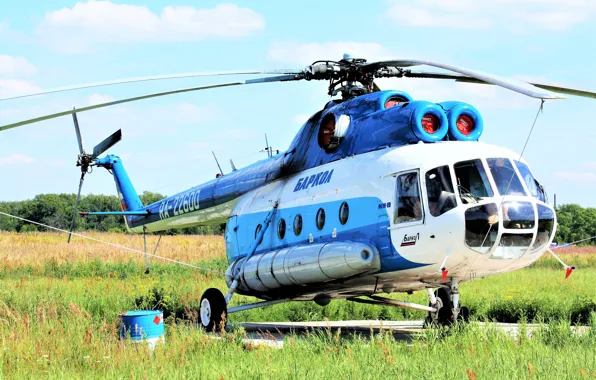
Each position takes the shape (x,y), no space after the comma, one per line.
(443,316)
(213,310)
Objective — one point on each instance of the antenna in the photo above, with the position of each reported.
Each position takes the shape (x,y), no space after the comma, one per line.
(268,148)
(233,166)
(217,162)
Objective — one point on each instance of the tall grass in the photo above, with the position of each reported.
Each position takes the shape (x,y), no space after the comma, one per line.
(59,305)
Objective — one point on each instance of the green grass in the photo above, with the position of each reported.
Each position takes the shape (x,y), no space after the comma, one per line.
(58,319)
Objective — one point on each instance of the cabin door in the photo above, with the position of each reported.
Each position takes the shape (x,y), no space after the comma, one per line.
(231,238)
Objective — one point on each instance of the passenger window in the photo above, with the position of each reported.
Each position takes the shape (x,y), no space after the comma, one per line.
(439,188)
(409,204)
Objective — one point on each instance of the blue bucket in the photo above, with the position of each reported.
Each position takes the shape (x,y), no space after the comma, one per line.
(142,326)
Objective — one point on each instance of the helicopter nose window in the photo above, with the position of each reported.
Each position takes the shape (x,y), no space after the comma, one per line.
(518,215)
(472,181)
(531,183)
(482,227)
(439,189)
(546,226)
(505,177)
(512,246)
(409,205)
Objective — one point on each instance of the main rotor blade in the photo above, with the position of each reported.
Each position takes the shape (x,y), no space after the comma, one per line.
(106,144)
(155,78)
(467,79)
(280,78)
(78,131)
(74,212)
(513,85)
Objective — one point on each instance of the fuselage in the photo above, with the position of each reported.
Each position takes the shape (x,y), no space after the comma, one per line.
(417,231)
(386,201)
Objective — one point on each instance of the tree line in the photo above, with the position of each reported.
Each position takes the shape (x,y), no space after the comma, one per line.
(56,210)
(575,222)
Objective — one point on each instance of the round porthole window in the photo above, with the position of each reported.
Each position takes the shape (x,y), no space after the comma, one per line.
(281,229)
(320,219)
(257,230)
(297,224)
(344,213)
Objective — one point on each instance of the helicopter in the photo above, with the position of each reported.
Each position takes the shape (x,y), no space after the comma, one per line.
(378,193)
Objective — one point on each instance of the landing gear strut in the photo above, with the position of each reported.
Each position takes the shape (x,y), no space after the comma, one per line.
(446,303)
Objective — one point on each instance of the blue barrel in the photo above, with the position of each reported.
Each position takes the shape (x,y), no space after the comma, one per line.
(142,326)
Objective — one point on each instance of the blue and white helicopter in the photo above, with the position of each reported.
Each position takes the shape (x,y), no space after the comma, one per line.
(377,193)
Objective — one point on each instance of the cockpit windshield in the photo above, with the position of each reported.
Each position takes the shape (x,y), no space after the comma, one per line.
(505,177)
(472,182)
(531,183)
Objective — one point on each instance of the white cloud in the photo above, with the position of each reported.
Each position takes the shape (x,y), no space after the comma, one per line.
(15,159)
(98,99)
(9,87)
(419,16)
(514,15)
(577,176)
(307,53)
(301,118)
(87,23)
(15,66)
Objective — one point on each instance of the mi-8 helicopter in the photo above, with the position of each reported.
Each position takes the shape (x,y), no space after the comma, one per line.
(377,193)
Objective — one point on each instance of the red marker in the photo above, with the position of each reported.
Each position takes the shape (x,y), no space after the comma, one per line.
(568,271)
(444,274)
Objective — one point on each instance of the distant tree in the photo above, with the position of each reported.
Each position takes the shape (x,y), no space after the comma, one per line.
(575,223)
(149,197)
(56,210)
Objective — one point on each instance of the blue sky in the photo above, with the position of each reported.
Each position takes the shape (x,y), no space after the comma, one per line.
(167,142)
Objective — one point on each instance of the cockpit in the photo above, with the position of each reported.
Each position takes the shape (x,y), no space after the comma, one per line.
(505,214)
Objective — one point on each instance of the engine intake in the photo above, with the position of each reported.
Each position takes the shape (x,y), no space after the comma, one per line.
(465,122)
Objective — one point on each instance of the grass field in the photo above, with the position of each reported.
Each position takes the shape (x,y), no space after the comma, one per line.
(59,305)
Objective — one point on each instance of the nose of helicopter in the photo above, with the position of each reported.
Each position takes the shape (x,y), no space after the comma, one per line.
(515,231)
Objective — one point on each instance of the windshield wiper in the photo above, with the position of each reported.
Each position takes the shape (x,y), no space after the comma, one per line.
(467,193)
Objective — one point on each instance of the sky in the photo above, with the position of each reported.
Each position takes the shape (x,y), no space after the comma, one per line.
(167,142)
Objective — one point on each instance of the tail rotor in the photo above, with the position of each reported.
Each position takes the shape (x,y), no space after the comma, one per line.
(85,161)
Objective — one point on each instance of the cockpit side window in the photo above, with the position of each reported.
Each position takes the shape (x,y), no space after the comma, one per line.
(472,181)
(439,189)
(531,183)
(505,177)
(409,203)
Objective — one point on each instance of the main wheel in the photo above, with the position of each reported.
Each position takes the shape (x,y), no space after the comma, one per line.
(214,311)
(464,314)
(445,312)
(443,316)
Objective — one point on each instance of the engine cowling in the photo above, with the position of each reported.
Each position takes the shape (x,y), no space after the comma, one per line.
(465,122)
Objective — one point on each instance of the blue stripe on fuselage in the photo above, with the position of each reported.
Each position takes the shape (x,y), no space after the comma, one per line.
(364,225)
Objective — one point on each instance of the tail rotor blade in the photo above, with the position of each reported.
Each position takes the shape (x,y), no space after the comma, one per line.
(78,131)
(74,212)
(106,144)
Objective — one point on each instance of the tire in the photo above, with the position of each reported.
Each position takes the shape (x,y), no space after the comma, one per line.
(464,314)
(445,313)
(213,312)
(444,316)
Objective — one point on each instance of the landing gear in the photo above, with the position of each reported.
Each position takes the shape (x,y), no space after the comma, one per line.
(213,311)
(446,303)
